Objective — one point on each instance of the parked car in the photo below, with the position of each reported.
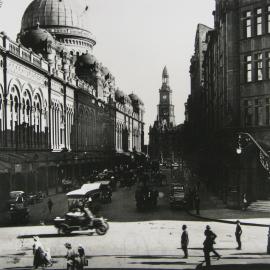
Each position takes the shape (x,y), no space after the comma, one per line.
(16,196)
(177,196)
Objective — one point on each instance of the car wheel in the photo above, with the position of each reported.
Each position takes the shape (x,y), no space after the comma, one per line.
(63,230)
(101,230)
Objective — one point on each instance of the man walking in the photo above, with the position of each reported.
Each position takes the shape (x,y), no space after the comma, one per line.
(238,233)
(209,245)
(50,205)
(184,241)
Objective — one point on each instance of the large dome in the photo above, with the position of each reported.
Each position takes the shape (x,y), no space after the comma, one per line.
(63,19)
(53,13)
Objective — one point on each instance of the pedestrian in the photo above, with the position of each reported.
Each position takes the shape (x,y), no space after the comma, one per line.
(81,261)
(238,233)
(184,241)
(245,202)
(50,205)
(209,245)
(197,203)
(70,256)
(39,253)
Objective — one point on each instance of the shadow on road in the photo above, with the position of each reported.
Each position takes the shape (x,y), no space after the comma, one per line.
(54,235)
(236,267)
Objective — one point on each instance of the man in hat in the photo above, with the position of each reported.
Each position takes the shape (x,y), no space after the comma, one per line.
(238,233)
(71,255)
(184,241)
(209,245)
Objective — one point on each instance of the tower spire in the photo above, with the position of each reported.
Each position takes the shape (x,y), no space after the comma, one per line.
(165,76)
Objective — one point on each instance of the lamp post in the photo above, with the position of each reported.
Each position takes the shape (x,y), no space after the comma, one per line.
(264,159)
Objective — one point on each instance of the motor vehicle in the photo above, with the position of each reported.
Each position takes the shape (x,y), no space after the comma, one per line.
(106,191)
(146,197)
(15,196)
(19,212)
(79,221)
(67,185)
(80,196)
(177,196)
(32,198)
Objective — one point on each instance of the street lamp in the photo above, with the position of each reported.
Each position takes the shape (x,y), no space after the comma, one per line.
(264,159)
(263,155)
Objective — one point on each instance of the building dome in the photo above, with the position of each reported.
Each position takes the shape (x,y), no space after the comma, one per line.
(63,19)
(66,13)
(36,38)
(135,99)
(86,60)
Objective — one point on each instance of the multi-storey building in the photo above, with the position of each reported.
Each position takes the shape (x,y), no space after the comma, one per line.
(235,97)
(60,112)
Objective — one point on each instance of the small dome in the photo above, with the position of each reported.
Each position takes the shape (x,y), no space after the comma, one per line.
(86,60)
(128,99)
(135,98)
(35,38)
(119,95)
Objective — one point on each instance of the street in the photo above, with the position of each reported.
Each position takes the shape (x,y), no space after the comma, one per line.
(148,239)
(149,245)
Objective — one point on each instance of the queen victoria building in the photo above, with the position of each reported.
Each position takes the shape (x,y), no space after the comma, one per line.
(61,114)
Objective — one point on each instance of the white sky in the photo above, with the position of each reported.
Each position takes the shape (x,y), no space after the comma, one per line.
(135,40)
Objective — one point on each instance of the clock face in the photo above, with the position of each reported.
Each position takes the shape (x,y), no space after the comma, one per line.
(164,97)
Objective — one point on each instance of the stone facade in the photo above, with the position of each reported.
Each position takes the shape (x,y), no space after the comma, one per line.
(59,112)
(235,97)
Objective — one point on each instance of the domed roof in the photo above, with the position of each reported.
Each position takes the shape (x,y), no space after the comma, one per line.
(35,38)
(119,94)
(86,60)
(53,13)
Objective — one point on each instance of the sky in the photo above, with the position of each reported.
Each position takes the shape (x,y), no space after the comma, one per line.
(135,40)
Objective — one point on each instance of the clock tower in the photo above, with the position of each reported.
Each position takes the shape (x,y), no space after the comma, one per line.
(165,107)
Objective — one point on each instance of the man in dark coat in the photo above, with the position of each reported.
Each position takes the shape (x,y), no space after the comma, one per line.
(238,233)
(197,203)
(209,245)
(184,241)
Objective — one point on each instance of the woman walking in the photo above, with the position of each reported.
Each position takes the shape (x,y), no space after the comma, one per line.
(80,259)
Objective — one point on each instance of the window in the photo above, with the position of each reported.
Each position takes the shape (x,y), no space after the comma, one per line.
(248,113)
(267,111)
(267,62)
(247,24)
(258,22)
(268,19)
(258,66)
(248,69)
(258,113)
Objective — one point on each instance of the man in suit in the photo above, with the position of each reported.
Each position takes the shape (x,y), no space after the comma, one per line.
(238,233)
(184,241)
(209,245)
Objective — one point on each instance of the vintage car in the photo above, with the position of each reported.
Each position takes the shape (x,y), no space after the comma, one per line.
(82,195)
(146,197)
(177,196)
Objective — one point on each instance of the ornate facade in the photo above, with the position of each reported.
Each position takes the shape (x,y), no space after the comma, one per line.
(58,105)
(163,135)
